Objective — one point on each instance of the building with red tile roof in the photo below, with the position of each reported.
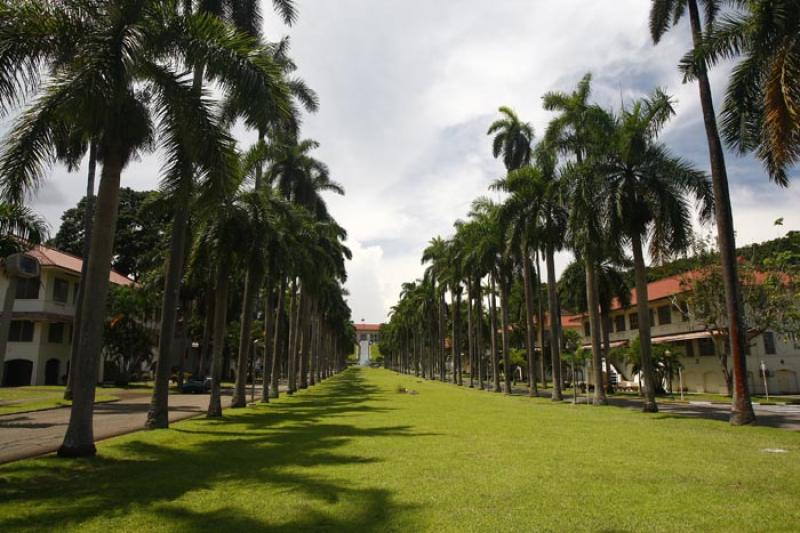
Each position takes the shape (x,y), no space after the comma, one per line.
(41,324)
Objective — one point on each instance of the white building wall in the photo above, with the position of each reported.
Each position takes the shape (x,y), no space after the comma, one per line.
(703,373)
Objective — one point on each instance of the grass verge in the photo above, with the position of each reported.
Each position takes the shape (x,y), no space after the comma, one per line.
(354,454)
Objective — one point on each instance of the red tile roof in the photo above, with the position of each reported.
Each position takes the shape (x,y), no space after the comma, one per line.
(368,327)
(50,257)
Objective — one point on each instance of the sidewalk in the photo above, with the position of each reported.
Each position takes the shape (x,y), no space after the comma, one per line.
(24,435)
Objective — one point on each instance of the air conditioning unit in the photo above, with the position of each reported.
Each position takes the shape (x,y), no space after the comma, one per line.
(22,265)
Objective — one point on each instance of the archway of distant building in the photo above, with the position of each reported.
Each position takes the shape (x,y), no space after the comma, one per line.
(17,373)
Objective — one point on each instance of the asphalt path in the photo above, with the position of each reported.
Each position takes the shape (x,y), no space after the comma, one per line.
(24,435)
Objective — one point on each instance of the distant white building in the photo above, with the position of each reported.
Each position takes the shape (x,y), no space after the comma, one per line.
(367,334)
(41,323)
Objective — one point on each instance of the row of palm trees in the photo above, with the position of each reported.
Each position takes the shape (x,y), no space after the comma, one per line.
(114,79)
(601,184)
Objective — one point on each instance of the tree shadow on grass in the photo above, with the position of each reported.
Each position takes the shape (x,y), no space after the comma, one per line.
(287,447)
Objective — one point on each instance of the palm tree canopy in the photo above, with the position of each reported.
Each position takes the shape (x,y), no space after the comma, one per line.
(512,139)
(648,187)
(761,111)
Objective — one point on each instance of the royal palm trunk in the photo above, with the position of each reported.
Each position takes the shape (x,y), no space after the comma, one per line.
(275,373)
(252,283)
(529,314)
(555,324)
(741,407)
(505,333)
(493,320)
(268,353)
(158,415)
(220,323)
(594,325)
(88,218)
(643,312)
(79,438)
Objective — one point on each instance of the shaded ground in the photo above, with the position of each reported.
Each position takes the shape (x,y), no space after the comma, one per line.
(35,433)
(353,454)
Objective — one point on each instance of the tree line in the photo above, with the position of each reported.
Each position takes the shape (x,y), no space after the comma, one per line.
(602,185)
(108,81)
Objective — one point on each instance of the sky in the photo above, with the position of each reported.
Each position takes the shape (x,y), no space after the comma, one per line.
(408,89)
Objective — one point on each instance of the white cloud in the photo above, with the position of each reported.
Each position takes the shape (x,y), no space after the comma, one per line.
(408,88)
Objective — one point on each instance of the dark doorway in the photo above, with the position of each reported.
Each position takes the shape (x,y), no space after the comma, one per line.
(51,368)
(17,373)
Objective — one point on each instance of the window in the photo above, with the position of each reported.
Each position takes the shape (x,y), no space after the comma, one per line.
(60,290)
(665,315)
(587,331)
(75,292)
(21,331)
(619,323)
(362,337)
(55,333)
(652,317)
(688,347)
(634,320)
(706,347)
(769,343)
(28,289)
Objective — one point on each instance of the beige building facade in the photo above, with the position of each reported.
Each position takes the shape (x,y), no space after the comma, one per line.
(42,321)
(701,368)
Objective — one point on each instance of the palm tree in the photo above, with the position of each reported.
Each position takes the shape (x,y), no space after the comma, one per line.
(20,229)
(761,111)
(553,223)
(664,14)
(512,139)
(243,16)
(91,85)
(223,238)
(578,130)
(520,217)
(647,189)
(436,255)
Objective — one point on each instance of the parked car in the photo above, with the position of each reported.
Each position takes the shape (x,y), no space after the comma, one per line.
(196,386)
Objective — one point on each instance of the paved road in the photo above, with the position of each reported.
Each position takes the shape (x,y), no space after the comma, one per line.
(25,435)
(778,416)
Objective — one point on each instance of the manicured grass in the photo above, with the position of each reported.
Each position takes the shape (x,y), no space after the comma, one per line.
(37,398)
(353,454)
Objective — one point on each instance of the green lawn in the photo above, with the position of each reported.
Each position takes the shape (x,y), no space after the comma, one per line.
(36,398)
(353,454)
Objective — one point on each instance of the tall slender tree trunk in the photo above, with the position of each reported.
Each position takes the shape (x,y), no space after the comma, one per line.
(79,438)
(252,282)
(594,325)
(529,314)
(220,323)
(505,333)
(268,353)
(158,415)
(305,340)
(88,219)
(470,336)
(457,337)
(555,324)
(741,407)
(291,369)
(493,320)
(643,312)
(208,328)
(442,335)
(479,351)
(276,341)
